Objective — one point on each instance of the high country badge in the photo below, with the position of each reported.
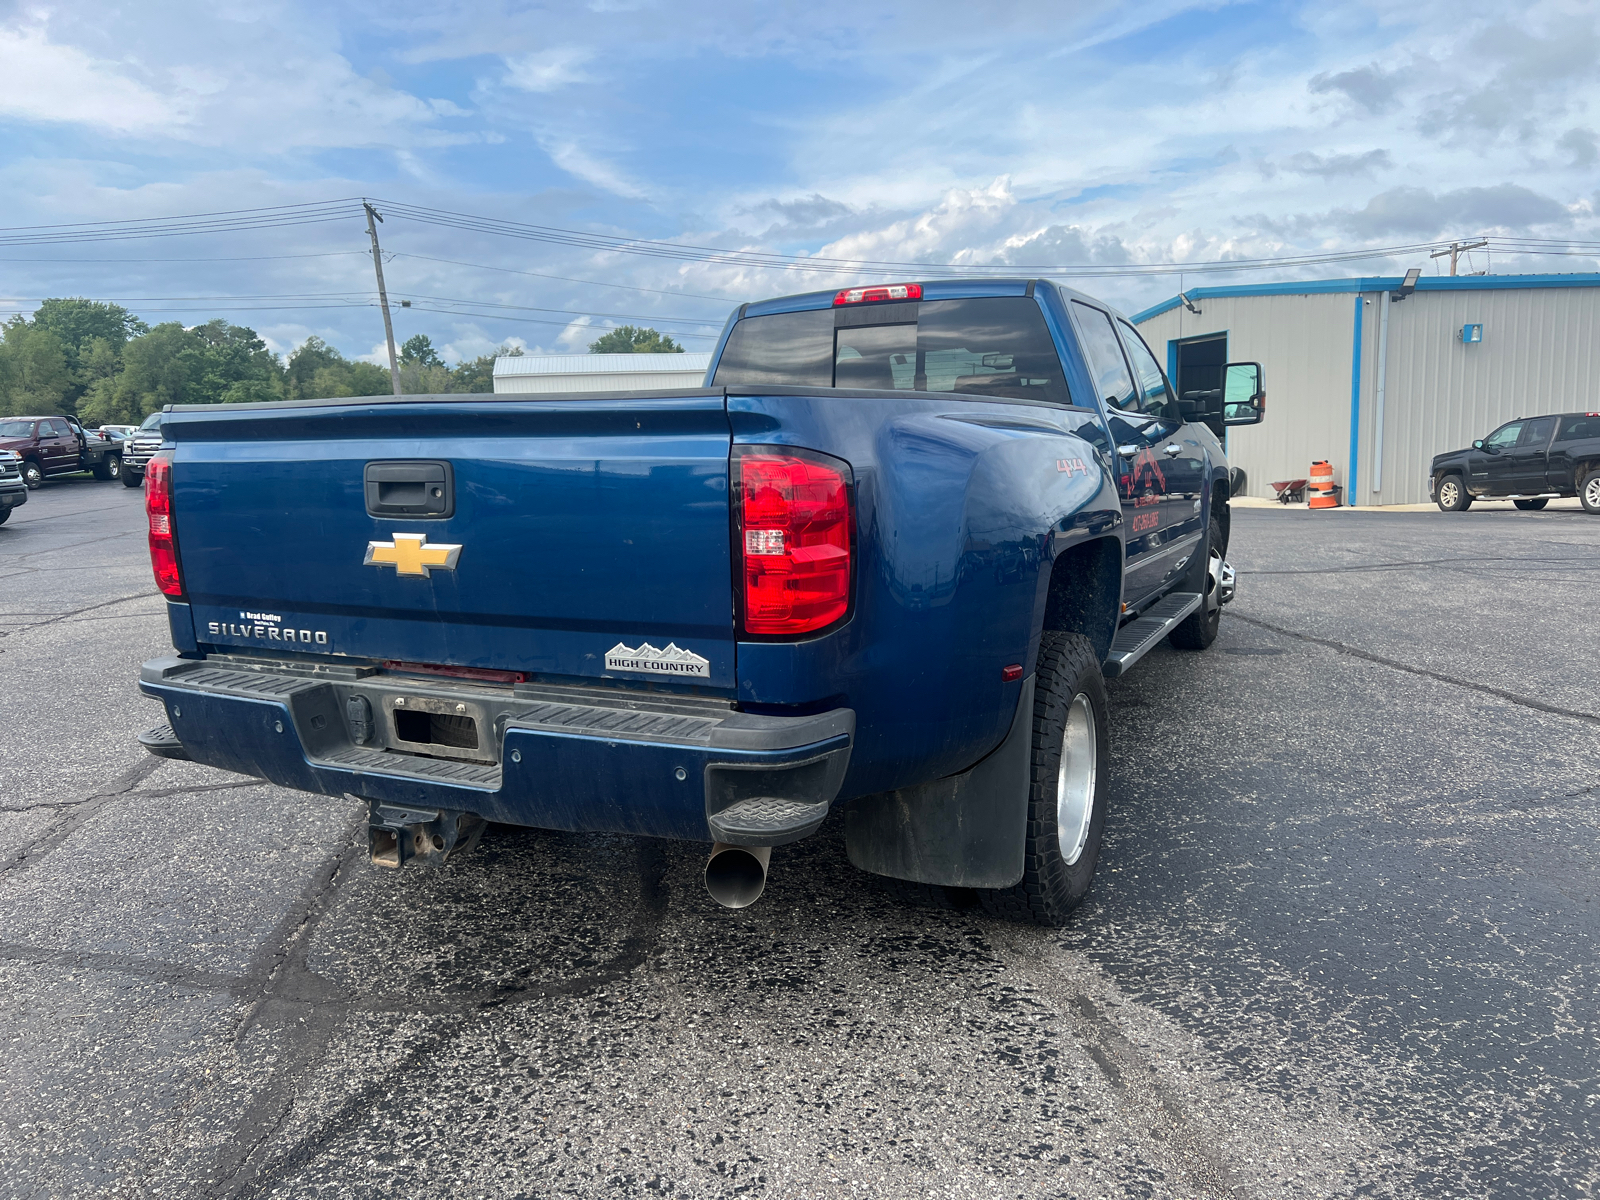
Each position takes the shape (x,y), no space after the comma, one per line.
(410,554)
(651,661)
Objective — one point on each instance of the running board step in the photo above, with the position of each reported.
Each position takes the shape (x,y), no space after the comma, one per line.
(1139,636)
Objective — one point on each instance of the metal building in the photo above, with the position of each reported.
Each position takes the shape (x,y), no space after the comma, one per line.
(599,372)
(1377,382)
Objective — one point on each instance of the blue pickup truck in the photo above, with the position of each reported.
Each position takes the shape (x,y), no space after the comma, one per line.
(883,559)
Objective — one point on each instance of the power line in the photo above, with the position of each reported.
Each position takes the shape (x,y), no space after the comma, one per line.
(346,208)
(564,278)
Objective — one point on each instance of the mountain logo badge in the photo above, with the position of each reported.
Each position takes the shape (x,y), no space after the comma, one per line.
(647,660)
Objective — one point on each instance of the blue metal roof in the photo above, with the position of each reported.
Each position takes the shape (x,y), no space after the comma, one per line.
(1378,283)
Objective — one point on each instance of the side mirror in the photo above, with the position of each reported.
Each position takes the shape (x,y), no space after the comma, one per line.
(1244,395)
(1478,445)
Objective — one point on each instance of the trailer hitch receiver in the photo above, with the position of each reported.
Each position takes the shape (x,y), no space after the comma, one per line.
(399,835)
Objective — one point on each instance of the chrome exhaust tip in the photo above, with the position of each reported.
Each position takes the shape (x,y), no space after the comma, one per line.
(737,875)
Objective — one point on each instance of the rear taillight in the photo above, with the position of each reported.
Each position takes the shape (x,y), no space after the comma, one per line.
(158,508)
(877,295)
(795,526)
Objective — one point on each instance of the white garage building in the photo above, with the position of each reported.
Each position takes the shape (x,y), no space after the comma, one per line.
(599,372)
(1378,383)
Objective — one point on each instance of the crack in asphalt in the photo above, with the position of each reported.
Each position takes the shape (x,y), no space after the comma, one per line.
(1439,676)
(305,1011)
(1350,568)
(23,627)
(75,815)
(122,964)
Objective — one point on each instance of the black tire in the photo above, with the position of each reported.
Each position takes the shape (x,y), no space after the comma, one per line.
(1451,494)
(32,476)
(108,467)
(1199,629)
(1069,689)
(131,478)
(5,514)
(1532,505)
(1589,492)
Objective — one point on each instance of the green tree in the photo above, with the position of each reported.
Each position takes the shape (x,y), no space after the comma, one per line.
(418,350)
(477,374)
(34,375)
(317,371)
(157,369)
(88,331)
(626,339)
(231,365)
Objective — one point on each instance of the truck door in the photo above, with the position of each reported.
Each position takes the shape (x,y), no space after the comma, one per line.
(1182,517)
(1574,429)
(1528,462)
(1138,441)
(1488,466)
(58,449)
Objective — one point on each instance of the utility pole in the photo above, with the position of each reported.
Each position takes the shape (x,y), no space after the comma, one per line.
(1457,249)
(383,295)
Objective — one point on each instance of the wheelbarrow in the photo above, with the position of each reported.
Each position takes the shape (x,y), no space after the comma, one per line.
(1290,491)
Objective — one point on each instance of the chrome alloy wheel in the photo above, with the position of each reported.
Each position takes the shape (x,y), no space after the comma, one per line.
(1221,582)
(1591,494)
(1075,779)
(1450,492)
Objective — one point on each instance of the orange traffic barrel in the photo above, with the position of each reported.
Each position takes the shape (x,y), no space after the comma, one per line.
(1319,486)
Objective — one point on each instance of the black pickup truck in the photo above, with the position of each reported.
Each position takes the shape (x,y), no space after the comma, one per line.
(1528,461)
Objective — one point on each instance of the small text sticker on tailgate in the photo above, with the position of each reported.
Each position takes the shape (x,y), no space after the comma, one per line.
(649,660)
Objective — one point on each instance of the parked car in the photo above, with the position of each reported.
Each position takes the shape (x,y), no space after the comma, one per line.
(1529,461)
(59,446)
(120,432)
(13,488)
(139,448)
(885,558)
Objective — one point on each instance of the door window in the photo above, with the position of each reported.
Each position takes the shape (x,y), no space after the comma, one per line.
(1113,382)
(1157,395)
(1536,433)
(1505,437)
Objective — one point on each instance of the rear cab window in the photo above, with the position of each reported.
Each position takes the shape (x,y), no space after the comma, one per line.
(1586,425)
(997,346)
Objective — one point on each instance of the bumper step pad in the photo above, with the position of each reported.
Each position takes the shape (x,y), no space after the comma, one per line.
(163,743)
(1140,636)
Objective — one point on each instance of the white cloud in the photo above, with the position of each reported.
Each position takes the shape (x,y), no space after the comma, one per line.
(46,81)
(548,70)
(575,338)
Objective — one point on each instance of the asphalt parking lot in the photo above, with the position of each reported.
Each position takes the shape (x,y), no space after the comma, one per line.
(1343,941)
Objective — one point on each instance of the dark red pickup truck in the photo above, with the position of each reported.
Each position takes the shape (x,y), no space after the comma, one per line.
(59,446)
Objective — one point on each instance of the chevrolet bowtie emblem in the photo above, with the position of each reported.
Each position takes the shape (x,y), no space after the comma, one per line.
(410,554)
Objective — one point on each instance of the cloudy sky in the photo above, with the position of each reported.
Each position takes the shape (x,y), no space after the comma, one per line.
(1062,133)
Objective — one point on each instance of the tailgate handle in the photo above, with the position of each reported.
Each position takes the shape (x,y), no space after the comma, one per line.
(410,488)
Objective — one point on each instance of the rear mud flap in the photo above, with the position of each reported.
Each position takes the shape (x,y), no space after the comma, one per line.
(965,830)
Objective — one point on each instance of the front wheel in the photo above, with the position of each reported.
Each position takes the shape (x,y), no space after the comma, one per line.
(32,476)
(1589,493)
(1532,505)
(1452,495)
(5,514)
(1066,790)
(132,478)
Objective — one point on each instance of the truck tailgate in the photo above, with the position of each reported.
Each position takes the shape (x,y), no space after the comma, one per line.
(585,537)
